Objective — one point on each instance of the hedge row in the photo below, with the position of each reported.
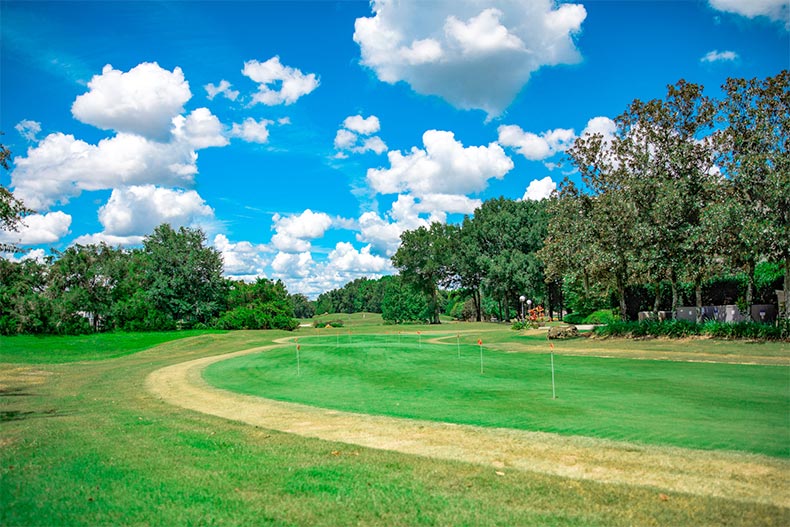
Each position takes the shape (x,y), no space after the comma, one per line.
(683,328)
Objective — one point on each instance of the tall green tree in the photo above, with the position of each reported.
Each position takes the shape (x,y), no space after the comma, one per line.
(508,235)
(403,302)
(183,276)
(755,146)
(82,283)
(424,260)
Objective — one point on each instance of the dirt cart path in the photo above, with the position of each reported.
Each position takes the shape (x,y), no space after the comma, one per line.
(743,477)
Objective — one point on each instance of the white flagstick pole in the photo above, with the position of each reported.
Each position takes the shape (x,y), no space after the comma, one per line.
(419,335)
(458,343)
(298,364)
(553,391)
(480,343)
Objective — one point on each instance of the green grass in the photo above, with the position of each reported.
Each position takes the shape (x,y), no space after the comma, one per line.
(33,349)
(83,443)
(695,405)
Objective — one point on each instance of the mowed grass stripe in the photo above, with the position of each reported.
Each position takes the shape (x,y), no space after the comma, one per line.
(692,405)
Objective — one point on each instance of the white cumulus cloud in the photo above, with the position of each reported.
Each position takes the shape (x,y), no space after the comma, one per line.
(362,125)
(344,257)
(776,10)
(289,265)
(28,129)
(356,135)
(200,129)
(444,166)
(293,232)
(533,146)
(223,88)
(61,167)
(539,189)
(251,130)
(142,101)
(39,228)
(241,260)
(137,210)
(39,255)
(474,56)
(719,56)
(278,84)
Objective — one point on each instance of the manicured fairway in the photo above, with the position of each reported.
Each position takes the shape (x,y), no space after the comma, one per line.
(695,405)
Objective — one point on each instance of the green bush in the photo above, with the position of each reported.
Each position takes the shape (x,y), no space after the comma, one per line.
(337,323)
(574,318)
(684,328)
(601,316)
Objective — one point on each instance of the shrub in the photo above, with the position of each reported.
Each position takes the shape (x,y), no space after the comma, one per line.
(683,328)
(574,318)
(337,323)
(601,316)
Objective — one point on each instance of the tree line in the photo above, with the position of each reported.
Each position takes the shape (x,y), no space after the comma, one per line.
(687,192)
(174,281)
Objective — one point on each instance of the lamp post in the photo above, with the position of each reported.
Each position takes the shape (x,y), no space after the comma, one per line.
(523,314)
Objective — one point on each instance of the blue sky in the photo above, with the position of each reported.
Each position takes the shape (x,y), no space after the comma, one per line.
(304,137)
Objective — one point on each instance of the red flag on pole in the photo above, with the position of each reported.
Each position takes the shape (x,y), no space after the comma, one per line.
(551,345)
(479,342)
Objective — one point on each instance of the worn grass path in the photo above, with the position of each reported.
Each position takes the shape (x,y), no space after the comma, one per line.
(731,475)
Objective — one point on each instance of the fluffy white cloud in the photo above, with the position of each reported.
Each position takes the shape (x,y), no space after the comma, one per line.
(444,166)
(294,231)
(270,74)
(39,228)
(142,101)
(536,147)
(287,243)
(308,224)
(28,129)
(200,129)
(409,213)
(223,88)
(38,255)
(600,125)
(719,56)
(345,139)
(361,125)
(241,260)
(776,10)
(138,210)
(289,265)
(346,258)
(251,130)
(483,34)
(355,135)
(473,56)
(60,167)
(371,144)
(539,189)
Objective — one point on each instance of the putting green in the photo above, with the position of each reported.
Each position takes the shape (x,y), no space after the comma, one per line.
(692,405)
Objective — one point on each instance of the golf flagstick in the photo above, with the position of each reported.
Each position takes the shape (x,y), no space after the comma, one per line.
(553,391)
(480,343)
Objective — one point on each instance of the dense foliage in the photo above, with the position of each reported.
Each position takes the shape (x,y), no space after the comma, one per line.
(173,282)
(362,294)
(686,189)
(686,201)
